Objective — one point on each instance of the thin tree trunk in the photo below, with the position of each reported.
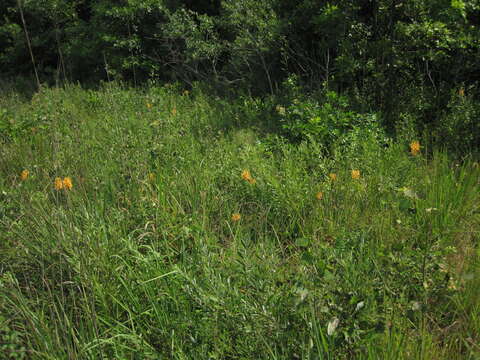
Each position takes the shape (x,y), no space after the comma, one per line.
(106,66)
(57,38)
(131,54)
(28,43)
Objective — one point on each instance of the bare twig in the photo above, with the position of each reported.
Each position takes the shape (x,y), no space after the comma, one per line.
(28,43)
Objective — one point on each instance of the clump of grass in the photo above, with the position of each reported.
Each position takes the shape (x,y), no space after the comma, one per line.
(188,234)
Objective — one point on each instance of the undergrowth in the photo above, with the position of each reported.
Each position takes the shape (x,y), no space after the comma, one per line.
(192,232)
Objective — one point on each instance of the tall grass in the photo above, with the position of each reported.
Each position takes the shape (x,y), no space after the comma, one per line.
(141,259)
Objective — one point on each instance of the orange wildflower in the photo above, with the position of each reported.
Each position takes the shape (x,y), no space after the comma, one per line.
(248,177)
(414,147)
(332,176)
(355,174)
(24,175)
(236,217)
(67,183)
(58,183)
(319,195)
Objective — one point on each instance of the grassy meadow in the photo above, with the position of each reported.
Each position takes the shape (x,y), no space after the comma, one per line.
(167,224)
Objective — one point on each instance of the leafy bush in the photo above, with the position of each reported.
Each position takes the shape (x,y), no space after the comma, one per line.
(324,122)
(459,128)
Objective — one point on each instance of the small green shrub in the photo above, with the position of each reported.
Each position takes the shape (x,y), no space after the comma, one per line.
(324,122)
(459,128)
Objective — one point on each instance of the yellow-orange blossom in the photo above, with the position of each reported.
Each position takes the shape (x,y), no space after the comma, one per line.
(248,177)
(66,183)
(24,175)
(355,174)
(236,217)
(414,147)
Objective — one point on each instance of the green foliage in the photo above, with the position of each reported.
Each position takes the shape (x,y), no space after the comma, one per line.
(10,340)
(141,258)
(324,122)
(383,54)
(459,128)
